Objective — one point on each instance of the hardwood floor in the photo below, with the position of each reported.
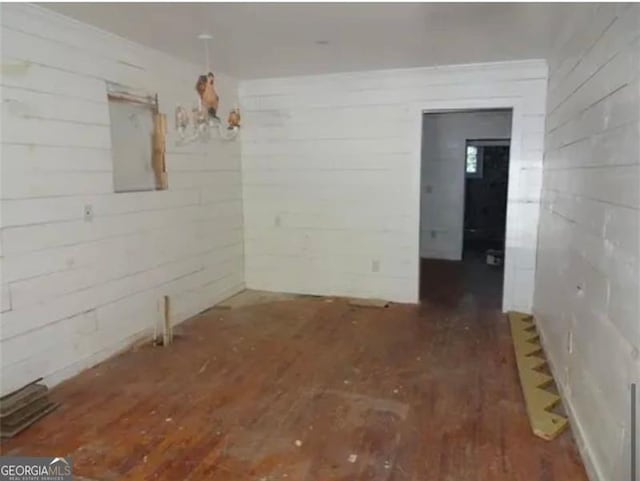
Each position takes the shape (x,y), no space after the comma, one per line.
(314,389)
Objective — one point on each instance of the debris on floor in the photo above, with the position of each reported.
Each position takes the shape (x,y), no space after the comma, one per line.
(204,366)
(376,303)
(23,407)
(495,257)
(353,458)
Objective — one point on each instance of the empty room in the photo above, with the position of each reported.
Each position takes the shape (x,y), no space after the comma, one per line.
(319,241)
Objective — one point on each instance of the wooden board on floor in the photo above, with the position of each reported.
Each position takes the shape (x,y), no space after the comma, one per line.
(530,360)
(21,408)
(27,417)
(18,401)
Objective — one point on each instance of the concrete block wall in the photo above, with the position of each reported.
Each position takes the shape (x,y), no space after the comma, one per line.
(74,292)
(444,141)
(331,175)
(587,282)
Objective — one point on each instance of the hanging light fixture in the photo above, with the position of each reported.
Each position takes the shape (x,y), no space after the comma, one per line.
(203,118)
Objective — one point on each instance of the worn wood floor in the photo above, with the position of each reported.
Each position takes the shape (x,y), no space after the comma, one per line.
(314,390)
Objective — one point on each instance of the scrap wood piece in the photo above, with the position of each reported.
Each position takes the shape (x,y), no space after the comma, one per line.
(21,408)
(22,398)
(11,396)
(376,303)
(158,161)
(167,327)
(36,412)
(26,413)
(530,359)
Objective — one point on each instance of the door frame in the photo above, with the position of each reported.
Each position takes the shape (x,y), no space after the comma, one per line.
(418,109)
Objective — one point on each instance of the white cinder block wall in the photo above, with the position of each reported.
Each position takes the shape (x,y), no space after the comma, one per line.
(587,287)
(73,292)
(444,142)
(331,175)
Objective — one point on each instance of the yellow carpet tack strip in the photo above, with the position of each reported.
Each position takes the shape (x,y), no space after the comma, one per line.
(530,358)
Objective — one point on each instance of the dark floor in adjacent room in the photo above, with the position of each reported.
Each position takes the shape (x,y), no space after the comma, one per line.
(316,390)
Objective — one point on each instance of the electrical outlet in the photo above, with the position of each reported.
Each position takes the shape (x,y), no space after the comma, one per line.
(276,221)
(375,266)
(570,342)
(434,234)
(88,213)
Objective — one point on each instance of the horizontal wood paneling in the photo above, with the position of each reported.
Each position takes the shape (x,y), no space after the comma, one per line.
(329,169)
(74,292)
(587,282)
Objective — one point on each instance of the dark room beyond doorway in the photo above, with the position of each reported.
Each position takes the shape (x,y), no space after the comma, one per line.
(463,206)
(485,199)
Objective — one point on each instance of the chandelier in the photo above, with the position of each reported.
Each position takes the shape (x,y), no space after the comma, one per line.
(201,122)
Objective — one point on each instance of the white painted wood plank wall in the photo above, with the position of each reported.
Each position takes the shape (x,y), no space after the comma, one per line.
(331,175)
(587,283)
(74,292)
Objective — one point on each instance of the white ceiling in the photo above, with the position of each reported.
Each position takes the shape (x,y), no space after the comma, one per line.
(269,40)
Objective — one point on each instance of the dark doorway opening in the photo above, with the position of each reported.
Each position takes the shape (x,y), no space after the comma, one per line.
(463,206)
(485,198)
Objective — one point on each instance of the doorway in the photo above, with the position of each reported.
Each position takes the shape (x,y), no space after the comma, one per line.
(485,196)
(463,202)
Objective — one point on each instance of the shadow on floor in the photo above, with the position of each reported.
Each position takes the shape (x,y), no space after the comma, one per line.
(447,283)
